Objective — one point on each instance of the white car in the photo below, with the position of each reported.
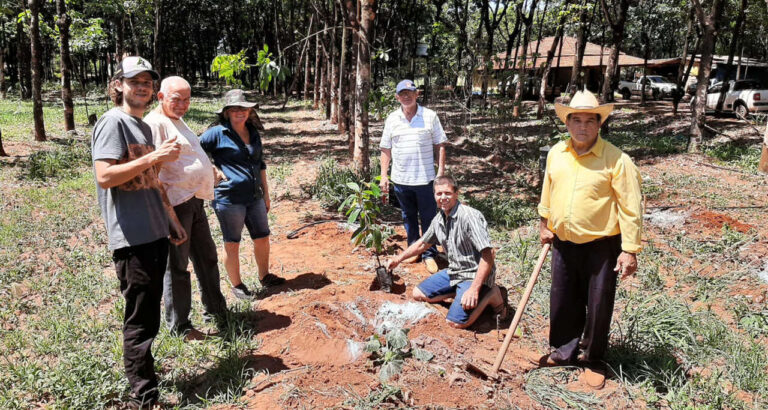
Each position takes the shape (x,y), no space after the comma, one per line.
(656,86)
(743,97)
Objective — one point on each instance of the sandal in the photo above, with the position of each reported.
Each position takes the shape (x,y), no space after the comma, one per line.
(272,280)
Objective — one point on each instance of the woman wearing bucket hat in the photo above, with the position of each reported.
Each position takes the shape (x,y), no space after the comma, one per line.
(242,199)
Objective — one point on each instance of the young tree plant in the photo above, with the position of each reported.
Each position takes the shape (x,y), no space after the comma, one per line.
(362,207)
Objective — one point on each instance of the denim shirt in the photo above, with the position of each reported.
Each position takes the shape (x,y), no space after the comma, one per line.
(241,163)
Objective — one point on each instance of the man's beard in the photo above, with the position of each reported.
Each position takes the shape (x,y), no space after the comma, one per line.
(136,103)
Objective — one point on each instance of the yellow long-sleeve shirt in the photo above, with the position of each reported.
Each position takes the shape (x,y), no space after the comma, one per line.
(594,195)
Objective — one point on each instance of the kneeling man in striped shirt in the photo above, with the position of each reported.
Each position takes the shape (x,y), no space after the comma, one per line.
(471,274)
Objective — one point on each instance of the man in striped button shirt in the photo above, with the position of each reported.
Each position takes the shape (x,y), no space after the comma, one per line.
(591,212)
(470,277)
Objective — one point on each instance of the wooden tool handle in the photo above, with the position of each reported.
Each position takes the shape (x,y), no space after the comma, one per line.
(521,307)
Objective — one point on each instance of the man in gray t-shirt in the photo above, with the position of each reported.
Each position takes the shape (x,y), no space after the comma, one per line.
(137,219)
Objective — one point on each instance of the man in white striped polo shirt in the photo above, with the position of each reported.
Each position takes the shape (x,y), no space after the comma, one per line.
(471,274)
(410,137)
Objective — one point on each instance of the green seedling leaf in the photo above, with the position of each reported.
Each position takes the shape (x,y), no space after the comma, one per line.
(353,216)
(422,355)
(397,339)
(353,186)
(390,369)
(373,345)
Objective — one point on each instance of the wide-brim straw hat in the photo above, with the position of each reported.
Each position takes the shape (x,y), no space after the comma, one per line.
(234,98)
(586,102)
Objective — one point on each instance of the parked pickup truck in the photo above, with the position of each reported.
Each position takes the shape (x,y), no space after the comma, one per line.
(743,97)
(656,86)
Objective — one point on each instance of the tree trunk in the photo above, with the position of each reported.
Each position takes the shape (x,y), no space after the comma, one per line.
(333,81)
(2,70)
(351,90)
(362,138)
(548,64)
(22,51)
(513,36)
(66,65)
(617,30)
(157,64)
(120,41)
(37,69)
(305,91)
(343,89)
(577,79)
(2,150)
(732,51)
(708,25)
(316,91)
(522,77)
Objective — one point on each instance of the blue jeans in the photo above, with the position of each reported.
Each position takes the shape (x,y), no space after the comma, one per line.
(440,284)
(417,203)
(232,218)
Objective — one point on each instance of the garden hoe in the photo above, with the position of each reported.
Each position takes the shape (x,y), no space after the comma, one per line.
(494,373)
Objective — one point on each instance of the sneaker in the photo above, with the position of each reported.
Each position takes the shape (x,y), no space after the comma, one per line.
(431,265)
(271,280)
(241,292)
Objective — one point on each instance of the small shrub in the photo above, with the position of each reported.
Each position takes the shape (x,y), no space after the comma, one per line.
(61,162)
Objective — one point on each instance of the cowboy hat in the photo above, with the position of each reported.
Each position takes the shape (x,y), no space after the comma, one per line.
(583,101)
(234,98)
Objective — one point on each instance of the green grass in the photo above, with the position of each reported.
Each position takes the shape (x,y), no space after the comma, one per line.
(503,210)
(746,157)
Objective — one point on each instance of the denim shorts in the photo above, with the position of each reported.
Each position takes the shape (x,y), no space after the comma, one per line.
(440,284)
(232,218)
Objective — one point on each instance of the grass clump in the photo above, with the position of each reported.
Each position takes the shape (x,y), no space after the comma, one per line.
(62,162)
(503,210)
(547,386)
(330,186)
(742,156)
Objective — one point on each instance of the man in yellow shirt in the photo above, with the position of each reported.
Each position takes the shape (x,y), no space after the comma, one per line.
(591,213)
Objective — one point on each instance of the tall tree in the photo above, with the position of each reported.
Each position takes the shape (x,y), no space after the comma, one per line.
(731,52)
(365,38)
(2,62)
(546,67)
(490,20)
(344,61)
(318,64)
(22,54)
(2,150)
(157,63)
(37,69)
(709,25)
(512,38)
(616,17)
(582,33)
(522,66)
(63,23)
